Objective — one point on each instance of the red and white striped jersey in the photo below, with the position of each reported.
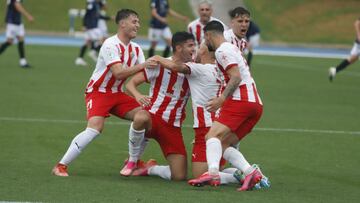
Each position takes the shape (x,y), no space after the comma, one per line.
(196,29)
(113,51)
(205,83)
(229,56)
(169,92)
(230,36)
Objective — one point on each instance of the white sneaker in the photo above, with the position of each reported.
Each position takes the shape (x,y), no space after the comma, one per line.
(80,62)
(332,73)
(93,55)
(23,63)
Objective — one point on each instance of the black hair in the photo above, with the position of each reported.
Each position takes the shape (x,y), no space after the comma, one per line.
(179,38)
(123,14)
(214,26)
(238,11)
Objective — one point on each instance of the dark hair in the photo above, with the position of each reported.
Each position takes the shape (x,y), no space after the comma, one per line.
(214,26)
(179,38)
(238,11)
(123,14)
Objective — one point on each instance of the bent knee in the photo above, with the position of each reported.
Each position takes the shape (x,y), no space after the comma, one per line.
(142,117)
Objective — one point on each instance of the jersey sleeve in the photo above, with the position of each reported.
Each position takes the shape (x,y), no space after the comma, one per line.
(110,54)
(141,57)
(195,69)
(151,74)
(226,58)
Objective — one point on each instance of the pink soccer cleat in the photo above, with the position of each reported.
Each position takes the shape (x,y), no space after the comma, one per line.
(128,168)
(205,179)
(251,180)
(60,170)
(143,170)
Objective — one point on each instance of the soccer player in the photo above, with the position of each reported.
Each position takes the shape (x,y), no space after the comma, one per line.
(93,34)
(354,54)
(15,28)
(241,109)
(164,114)
(119,58)
(102,20)
(253,38)
(205,11)
(239,26)
(159,25)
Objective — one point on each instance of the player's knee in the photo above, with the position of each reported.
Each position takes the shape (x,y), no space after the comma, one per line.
(141,119)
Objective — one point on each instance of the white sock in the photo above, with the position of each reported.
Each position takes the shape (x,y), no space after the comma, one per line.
(162,171)
(226,178)
(143,145)
(229,170)
(213,155)
(135,139)
(78,144)
(236,159)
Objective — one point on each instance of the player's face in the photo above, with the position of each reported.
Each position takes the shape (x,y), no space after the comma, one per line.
(240,25)
(130,26)
(208,41)
(205,12)
(187,50)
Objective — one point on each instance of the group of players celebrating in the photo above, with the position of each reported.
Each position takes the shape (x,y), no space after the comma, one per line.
(208,67)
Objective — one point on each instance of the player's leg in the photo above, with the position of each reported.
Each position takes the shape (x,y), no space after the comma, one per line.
(10,35)
(166,34)
(80,59)
(5,45)
(254,41)
(21,48)
(154,37)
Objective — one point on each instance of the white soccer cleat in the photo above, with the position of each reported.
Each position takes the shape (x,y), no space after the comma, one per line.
(93,55)
(332,73)
(80,62)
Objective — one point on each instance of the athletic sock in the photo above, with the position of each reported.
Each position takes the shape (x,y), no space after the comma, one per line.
(135,139)
(213,155)
(166,52)
(82,51)
(161,171)
(78,144)
(342,65)
(249,57)
(4,46)
(143,145)
(226,178)
(21,49)
(151,52)
(236,159)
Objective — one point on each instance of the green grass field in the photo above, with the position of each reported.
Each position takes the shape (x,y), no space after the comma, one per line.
(42,109)
(52,16)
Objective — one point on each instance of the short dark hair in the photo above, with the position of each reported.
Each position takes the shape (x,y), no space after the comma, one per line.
(179,38)
(123,14)
(214,26)
(238,11)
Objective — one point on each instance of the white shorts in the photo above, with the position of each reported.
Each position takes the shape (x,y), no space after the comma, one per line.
(13,30)
(355,51)
(93,34)
(103,27)
(254,40)
(157,34)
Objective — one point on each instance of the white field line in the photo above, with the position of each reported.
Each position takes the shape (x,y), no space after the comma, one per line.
(65,121)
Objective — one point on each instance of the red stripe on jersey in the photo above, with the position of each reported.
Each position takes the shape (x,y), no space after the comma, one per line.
(237,43)
(129,58)
(230,66)
(122,49)
(223,72)
(145,76)
(101,79)
(200,116)
(190,30)
(120,85)
(90,83)
(198,33)
(137,51)
(243,93)
(257,100)
(173,78)
(110,83)
(212,116)
(184,90)
(156,87)
(167,99)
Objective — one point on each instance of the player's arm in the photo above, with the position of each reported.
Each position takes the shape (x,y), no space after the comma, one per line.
(171,65)
(122,73)
(357,28)
(157,16)
(131,88)
(178,15)
(23,11)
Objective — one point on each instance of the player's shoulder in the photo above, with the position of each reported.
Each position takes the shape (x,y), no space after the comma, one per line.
(225,47)
(134,44)
(111,40)
(194,22)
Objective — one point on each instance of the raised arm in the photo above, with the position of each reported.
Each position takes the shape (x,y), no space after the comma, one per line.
(171,65)
(122,73)
(23,11)
(131,88)
(178,15)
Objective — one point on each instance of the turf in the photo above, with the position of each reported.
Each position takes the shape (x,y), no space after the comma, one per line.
(52,16)
(303,166)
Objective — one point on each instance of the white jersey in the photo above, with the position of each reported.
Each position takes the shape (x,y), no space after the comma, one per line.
(113,51)
(230,36)
(169,92)
(205,83)
(196,29)
(229,56)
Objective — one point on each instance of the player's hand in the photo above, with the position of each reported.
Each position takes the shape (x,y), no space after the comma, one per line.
(143,100)
(215,103)
(151,63)
(30,18)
